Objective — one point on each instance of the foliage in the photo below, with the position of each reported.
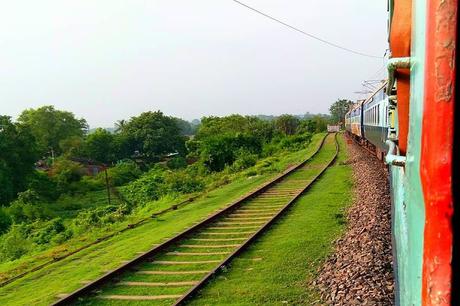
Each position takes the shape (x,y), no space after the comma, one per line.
(100,146)
(315,124)
(147,188)
(287,124)
(185,127)
(153,134)
(100,216)
(14,244)
(5,221)
(183,182)
(177,162)
(26,208)
(64,172)
(50,126)
(43,185)
(123,172)
(17,157)
(338,110)
(233,125)
(220,151)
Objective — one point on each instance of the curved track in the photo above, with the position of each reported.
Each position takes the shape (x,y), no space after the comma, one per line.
(174,271)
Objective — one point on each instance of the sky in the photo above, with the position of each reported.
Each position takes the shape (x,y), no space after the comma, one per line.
(106,60)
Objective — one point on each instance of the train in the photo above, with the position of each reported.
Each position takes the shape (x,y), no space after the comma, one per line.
(410,122)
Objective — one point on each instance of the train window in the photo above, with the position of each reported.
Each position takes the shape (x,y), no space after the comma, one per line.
(378,114)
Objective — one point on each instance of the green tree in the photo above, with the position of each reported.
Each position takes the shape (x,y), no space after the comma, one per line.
(338,110)
(100,146)
(50,126)
(287,124)
(153,134)
(17,157)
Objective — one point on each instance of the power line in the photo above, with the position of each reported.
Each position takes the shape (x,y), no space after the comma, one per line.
(305,33)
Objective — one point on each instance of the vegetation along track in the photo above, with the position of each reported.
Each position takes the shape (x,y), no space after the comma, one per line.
(171,273)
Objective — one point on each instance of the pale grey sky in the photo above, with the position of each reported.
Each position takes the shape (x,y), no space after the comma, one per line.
(106,60)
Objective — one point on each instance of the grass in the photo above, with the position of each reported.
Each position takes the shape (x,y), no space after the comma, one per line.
(291,251)
(42,287)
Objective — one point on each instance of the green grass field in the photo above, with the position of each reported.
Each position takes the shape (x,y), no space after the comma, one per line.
(42,287)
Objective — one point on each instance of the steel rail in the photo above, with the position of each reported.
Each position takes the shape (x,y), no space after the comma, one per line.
(72,297)
(245,244)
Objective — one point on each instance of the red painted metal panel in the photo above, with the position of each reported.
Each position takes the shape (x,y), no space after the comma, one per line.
(437,145)
(400,41)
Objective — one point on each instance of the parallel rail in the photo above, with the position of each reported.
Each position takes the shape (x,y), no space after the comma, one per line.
(263,193)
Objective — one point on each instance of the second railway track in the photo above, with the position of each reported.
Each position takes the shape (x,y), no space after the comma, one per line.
(171,273)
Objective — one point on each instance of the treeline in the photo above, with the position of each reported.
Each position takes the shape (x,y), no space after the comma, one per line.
(44,153)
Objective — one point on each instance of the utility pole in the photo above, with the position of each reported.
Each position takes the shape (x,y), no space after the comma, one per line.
(107,184)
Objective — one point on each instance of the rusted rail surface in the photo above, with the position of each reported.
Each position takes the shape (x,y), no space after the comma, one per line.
(252,214)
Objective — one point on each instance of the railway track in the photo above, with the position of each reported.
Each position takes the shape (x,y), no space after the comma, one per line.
(171,273)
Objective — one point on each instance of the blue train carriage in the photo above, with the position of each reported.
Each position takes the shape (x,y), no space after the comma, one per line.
(353,124)
(376,122)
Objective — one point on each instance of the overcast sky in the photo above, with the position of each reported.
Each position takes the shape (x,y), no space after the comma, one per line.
(110,60)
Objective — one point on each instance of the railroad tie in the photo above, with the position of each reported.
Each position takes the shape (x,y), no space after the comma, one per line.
(218,239)
(226,233)
(201,246)
(233,227)
(158,284)
(242,222)
(168,262)
(248,219)
(140,297)
(172,272)
(196,253)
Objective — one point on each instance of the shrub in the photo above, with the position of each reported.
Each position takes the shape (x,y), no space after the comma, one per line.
(182,182)
(245,160)
(5,221)
(14,244)
(148,187)
(177,163)
(47,231)
(43,185)
(28,207)
(64,172)
(100,216)
(124,172)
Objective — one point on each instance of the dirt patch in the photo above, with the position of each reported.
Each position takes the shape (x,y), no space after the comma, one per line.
(360,272)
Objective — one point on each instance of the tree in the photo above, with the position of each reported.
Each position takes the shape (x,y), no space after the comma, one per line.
(50,126)
(339,109)
(153,134)
(186,129)
(120,125)
(17,157)
(100,146)
(287,124)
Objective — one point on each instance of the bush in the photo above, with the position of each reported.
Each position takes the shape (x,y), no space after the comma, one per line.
(64,172)
(122,173)
(47,231)
(244,161)
(182,182)
(27,208)
(14,244)
(177,163)
(148,187)
(100,216)
(44,186)
(5,221)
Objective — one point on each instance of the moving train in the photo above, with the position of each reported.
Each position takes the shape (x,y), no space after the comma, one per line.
(410,122)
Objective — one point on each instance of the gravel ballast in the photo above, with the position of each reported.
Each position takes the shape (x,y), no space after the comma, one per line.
(360,270)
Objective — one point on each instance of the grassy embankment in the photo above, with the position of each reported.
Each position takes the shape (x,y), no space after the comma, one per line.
(41,288)
(291,251)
